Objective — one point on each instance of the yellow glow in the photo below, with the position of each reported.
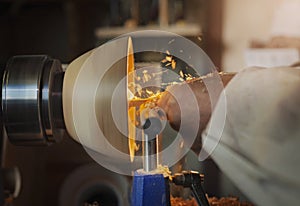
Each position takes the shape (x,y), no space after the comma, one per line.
(131,110)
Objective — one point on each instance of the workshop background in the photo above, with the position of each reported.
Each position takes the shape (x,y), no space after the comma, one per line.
(231,32)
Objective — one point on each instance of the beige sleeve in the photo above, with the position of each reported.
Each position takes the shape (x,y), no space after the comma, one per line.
(260,141)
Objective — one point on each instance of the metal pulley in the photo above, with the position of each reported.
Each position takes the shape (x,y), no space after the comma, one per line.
(32,101)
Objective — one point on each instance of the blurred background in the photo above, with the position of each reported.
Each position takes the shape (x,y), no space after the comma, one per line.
(233,33)
(64,29)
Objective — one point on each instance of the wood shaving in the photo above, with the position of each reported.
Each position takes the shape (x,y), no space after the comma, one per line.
(213,201)
(161,169)
(173,64)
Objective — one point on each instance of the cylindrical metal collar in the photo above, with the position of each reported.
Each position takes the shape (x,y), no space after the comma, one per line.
(27,103)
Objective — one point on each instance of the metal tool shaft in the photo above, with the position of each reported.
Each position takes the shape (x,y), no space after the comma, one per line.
(150,153)
(152,126)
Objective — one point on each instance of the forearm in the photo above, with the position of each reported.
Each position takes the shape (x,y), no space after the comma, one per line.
(169,103)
